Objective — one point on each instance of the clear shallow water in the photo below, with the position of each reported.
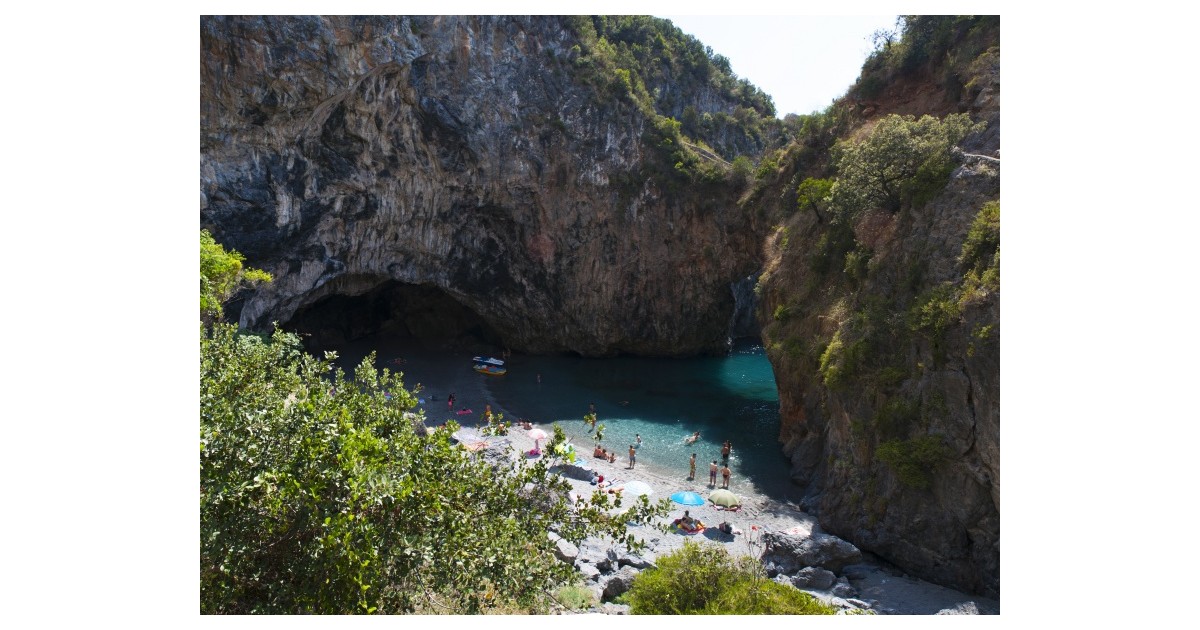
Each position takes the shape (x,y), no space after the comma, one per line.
(664,400)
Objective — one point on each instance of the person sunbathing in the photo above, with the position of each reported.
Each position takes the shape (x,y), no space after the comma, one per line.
(612,457)
(601,453)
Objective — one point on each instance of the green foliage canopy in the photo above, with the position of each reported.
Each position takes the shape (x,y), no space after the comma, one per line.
(319,494)
(902,161)
(221,275)
(813,194)
(914,460)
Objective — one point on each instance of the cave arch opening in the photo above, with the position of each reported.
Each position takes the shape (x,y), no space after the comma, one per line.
(396,310)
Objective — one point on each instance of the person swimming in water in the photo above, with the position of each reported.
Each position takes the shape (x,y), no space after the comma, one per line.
(692,438)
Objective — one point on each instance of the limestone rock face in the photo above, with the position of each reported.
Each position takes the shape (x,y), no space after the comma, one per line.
(464,156)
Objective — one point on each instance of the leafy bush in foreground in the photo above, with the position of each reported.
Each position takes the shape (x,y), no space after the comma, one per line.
(318,496)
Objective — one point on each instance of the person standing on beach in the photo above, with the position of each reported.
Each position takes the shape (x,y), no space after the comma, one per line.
(632,457)
(450,401)
(712,474)
(692,468)
(725,472)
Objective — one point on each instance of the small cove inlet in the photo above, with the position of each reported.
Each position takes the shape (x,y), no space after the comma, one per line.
(731,397)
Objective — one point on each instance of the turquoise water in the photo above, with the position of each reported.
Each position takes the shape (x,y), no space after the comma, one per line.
(664,400)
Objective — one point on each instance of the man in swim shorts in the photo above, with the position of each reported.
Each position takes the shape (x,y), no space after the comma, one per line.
(632,456)
(692,468)
(712,474)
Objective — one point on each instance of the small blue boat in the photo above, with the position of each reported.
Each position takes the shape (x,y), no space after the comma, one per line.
(490,366)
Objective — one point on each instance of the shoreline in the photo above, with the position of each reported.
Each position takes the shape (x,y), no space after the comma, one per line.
(885,589)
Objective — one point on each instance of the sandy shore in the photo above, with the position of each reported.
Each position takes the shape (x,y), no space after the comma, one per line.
(887,590)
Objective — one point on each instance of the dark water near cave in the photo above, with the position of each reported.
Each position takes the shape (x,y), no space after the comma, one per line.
(664,400)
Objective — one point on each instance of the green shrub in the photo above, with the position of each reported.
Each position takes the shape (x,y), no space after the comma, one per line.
(766,167)
(896,416)
(914,460)
(829,254)
(743,167)
(841,361)
(980,256)
(935,311)
(705,579)
(575,597)
(857,261)
(891,376)
(782,313)
(221,276)
(983,239)
(814,194)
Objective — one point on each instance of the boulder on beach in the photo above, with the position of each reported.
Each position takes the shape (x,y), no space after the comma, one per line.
(814,577)
(790,553)
(563,549)
(619,582)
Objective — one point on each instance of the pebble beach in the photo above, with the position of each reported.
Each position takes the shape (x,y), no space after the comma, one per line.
(883,589)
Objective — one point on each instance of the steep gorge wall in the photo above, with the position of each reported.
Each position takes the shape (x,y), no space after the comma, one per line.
(462,154)
(899,452)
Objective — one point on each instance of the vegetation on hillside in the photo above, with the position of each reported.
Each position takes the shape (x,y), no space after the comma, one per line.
(849,311)
(652,65)
(707,580)
(322,493)
(950,46)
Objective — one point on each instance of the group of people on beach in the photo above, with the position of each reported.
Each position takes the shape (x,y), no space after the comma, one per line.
(713,469)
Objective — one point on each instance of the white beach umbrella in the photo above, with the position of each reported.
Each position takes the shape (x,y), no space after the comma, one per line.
(638,488)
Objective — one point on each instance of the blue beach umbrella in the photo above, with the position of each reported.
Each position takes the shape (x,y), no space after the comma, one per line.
(687,498)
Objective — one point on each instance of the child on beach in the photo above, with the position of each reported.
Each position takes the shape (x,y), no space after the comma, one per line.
(712,474)
(639,439)
(692,468)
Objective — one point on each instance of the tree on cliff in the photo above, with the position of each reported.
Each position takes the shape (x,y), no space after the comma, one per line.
(221,275)
(904,160)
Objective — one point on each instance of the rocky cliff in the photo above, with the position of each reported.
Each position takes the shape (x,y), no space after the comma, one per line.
(492,167)
(884,328)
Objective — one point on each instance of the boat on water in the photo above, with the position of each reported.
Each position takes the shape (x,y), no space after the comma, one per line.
(490,366)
